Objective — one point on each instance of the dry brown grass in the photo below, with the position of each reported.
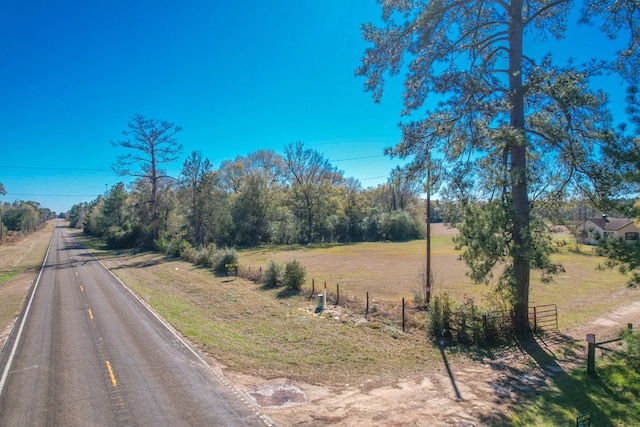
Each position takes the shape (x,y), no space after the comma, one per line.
(388,271)
(262,332)
(20,259)
(392,271)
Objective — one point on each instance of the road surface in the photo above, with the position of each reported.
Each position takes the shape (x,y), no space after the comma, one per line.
(87,352)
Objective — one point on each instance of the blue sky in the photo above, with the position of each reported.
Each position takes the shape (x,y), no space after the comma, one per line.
(237,76)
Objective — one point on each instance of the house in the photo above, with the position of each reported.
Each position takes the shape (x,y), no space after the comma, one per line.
(595,229)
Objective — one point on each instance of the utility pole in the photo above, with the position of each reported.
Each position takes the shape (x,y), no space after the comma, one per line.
(428,213)
(3,192)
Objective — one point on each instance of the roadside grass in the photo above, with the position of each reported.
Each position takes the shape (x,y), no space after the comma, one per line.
(8,275)
(253,330)
(20,259)
(258,331)
(611,397)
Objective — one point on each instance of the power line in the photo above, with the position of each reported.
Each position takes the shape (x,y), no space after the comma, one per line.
(374,177)
(53,168)
(357,158)
(52,195)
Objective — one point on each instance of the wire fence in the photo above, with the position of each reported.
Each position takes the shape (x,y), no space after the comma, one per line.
(461,325)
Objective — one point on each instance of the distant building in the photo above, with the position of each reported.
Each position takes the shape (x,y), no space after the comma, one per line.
(593,230)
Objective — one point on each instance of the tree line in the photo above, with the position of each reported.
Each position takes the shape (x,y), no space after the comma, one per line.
(298,197)
(22,216)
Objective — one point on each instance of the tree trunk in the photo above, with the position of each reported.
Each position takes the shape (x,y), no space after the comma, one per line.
(154,192)
(518,172)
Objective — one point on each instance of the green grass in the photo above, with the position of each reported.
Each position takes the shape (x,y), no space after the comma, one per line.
(611,397)
(4,277)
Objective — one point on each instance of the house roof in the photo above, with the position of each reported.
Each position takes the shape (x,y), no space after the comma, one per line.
(611,223)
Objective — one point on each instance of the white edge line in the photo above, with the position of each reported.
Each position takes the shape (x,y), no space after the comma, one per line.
(7,367)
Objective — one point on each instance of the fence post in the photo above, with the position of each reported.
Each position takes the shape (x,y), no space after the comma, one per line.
(591,354)
(366,312)
(535,319)
(338,294)
(484,327)
(313,288)
(403,315)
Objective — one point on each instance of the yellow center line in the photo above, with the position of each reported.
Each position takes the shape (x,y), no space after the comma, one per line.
(81,288)
(90,313)
(111,375)
(76,274)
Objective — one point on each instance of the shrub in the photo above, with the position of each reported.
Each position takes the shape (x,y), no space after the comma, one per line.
(205,256)
(189,253)
(273,275)
(173,247)
(294,274)
(469,323)
(117,237)
(633,349)
(222,257)
(440,325)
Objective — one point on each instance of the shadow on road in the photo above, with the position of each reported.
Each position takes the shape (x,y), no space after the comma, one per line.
(451,377)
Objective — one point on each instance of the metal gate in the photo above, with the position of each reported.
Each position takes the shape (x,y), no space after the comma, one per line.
(543,317)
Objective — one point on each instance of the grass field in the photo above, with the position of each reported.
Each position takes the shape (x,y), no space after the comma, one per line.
(394,270)
(19,262)
(246,326)
(267,334)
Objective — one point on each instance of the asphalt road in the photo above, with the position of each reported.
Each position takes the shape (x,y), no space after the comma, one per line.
(89,353)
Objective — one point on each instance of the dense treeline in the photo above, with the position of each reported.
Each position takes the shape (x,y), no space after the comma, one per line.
(262,198)
(23,216)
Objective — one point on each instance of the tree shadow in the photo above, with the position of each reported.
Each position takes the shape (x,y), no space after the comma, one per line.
(449,372)
(541,381)
(287,293)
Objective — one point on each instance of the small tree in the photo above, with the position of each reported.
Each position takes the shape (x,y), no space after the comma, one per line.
(294,274)
(441,309)
(273,275)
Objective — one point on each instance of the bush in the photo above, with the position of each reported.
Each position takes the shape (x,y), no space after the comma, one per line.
(633,349)
(294,274)
(205,256)
(469,323)
(173,248)
(189,253)
(117,237)
(273,275)
(209,256)
(222,257)
(440,325)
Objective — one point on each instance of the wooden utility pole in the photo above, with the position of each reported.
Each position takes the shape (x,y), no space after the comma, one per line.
(428,213)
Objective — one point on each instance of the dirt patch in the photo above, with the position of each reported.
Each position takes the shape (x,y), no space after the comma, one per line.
(461,393)
(278,396)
